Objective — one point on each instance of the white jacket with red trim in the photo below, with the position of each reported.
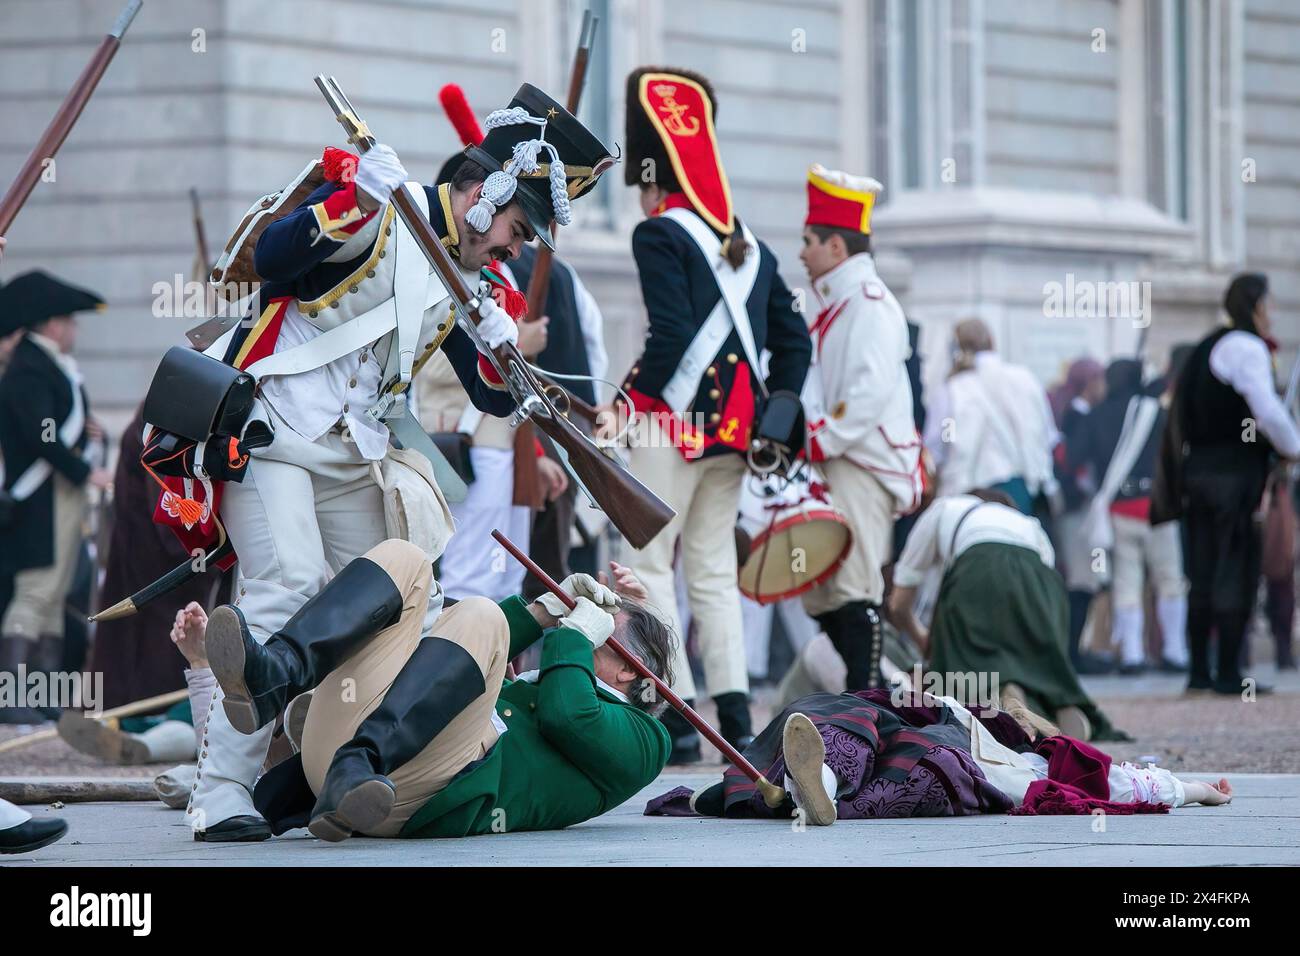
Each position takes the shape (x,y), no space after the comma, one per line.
(858,396)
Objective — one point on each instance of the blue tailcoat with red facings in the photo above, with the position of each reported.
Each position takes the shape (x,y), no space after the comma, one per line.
(679,289)
(290,257)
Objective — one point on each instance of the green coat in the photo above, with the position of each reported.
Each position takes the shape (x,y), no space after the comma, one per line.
(572,751)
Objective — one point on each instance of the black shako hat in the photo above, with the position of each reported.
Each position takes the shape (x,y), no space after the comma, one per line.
(511,147)
(35,296)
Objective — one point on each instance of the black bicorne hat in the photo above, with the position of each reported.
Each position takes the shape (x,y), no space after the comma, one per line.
(584,156)
(35,296)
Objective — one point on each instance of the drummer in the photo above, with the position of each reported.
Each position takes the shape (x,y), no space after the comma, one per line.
(859,402)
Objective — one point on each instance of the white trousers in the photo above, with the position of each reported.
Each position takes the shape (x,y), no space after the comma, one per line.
(705,493)
(1137,548)
(759,619)
(36,608)
(869,509)
(304,511)
(474,565)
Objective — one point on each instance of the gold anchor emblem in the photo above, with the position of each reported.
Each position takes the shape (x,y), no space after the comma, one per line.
(728,431)
(675,118)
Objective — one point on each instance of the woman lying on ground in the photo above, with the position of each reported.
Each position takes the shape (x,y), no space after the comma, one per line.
(873,754)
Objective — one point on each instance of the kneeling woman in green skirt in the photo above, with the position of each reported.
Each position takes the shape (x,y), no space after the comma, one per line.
(1001,611)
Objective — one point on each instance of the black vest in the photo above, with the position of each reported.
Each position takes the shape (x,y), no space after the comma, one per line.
(1213,416)
(566,349)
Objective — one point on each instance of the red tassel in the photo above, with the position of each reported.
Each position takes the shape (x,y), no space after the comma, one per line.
(462,117)
(340,165)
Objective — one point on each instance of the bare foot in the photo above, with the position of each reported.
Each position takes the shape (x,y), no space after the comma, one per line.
(188,632)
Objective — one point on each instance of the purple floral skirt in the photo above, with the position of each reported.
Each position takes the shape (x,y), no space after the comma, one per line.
(945,781)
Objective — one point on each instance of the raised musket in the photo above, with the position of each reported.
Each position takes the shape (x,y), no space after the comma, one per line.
(528,490)
(637,512)
(65,118)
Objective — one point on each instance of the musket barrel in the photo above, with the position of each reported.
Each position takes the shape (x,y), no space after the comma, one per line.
(66,117)
(123,22)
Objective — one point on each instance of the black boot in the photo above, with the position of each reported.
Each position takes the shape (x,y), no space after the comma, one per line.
(48,659)
(876,679)
(1231,627)
(258,680)
(1079,603)
(686,742)
(733,719)
(855,632)
(16,651)
(439,681)
(1200,622)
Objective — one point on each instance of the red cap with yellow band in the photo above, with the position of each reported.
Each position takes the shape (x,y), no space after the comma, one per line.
(839,200)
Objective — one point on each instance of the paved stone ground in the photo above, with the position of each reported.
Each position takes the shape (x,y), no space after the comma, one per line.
(1260,827)
(1225,736)
(1182,733)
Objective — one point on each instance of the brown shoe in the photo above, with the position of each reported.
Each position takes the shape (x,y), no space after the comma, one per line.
(1074,723)
(805,760)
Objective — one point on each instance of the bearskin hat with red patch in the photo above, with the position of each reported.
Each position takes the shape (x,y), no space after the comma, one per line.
(672,142)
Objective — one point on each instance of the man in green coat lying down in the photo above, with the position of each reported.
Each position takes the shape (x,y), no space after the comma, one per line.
(426,738)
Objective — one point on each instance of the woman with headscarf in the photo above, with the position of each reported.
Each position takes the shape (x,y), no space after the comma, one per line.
(1226,422)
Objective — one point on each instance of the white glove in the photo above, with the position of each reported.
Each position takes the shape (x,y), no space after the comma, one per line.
(580,586)
(380,172)
(591,621)
(495,326)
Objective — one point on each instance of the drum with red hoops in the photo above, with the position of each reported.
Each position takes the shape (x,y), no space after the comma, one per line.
(795,538)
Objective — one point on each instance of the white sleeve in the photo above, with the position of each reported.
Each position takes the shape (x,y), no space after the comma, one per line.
(860,370)
(1241,360)
(593,332)
(922,549)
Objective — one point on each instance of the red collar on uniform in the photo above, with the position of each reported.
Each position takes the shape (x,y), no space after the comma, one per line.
(673,201)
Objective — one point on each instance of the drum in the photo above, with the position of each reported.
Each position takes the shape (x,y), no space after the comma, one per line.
(797,539)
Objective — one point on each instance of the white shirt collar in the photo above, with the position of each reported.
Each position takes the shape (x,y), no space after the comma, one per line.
(845,279)
(530,677)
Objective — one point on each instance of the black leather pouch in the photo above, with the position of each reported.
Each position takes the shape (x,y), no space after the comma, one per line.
(196,396)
